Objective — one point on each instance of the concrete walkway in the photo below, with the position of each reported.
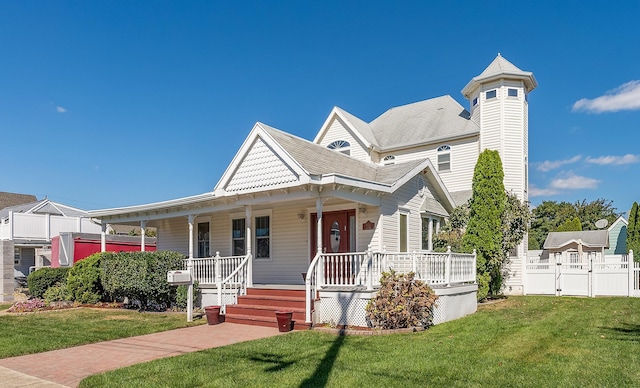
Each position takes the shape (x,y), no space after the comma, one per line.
(67,367)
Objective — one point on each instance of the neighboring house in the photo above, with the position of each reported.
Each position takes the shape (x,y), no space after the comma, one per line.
(26,231)
(383,186)
(617,237)
(70,247)
(576,247)
(12,199)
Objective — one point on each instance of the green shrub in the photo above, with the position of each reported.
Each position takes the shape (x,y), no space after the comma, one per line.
(55,293)
(83,282)
(181,295)
(39,281)
(483,280)
(142,277)
(401,302)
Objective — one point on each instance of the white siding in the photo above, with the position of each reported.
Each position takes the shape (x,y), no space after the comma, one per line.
(173,235)
(366,237)
(405,198)
(338,131)
(464,155)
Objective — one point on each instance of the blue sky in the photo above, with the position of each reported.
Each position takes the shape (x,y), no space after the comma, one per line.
(117,103)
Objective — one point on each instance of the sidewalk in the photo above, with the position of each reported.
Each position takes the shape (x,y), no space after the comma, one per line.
(67,367)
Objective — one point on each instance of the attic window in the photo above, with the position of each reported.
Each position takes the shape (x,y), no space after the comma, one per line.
(444,158)
(389,159)
(475,101)
(512,92)
(491,94)
(340,146)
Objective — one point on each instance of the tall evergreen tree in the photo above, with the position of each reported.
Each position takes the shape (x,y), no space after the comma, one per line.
(484,230)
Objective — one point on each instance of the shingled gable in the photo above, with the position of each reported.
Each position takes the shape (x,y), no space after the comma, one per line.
(358,128)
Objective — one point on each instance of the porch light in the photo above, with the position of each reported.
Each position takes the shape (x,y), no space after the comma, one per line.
(301,216)
(362,209)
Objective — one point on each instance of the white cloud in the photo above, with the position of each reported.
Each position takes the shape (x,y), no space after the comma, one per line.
(535,191)
(615,160)
(60,109)
(624,97)
(549,165)
(574,182)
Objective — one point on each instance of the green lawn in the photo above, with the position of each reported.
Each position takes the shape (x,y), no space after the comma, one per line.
(523,341)
(43,331)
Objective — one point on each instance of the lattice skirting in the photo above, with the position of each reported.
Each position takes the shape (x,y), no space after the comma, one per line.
(348,308)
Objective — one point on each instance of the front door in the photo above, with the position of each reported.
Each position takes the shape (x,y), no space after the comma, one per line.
(336,232)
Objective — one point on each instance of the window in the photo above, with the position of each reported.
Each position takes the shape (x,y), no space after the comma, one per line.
(263,240)
(389,159)
(512,92)
(16,256)
(238,230)
(340,146)
(404,232)
(491,94)
(475,101)
(203,239)
(444,158)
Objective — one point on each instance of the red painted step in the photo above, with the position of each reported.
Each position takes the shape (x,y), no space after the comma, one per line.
(258,307)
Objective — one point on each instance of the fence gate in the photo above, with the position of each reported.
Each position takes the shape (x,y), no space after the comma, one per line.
(589,274)
(568,274)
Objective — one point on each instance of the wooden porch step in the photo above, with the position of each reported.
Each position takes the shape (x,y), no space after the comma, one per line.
(299,324)
(264,311)
(279,302)
(276,292)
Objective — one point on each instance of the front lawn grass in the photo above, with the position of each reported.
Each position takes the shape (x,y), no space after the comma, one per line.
(522,341)
(50,330)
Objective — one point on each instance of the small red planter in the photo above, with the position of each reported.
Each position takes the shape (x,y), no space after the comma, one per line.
(213,314)
(285,322)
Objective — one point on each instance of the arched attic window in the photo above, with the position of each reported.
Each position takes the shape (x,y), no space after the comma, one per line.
(444,158)
(340,146)
(389,159)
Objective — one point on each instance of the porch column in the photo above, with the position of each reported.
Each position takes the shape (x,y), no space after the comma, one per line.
(190,269)
(248,238)
(11,224)
(430,232)
(103,237)
(143,225)
(319,225)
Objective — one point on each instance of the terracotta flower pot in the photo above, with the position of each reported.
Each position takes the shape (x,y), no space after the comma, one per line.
(285,323)
(213,314)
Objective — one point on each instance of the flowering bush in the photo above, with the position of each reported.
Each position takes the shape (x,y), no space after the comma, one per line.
(401,302)
(35,304)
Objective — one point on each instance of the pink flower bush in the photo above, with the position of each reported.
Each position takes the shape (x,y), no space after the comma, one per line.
(35,304)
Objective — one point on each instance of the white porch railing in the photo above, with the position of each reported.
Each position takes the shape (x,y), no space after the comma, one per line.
(364,269)
(229,274)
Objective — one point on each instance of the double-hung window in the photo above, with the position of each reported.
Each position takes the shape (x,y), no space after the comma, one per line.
(238,231)
(263,237)
(444,158)
(203,239)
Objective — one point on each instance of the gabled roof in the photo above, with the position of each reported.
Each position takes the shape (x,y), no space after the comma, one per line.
(589,238)
(422,122)
(13,199)
(44,206)
(359,128)
(618,220)
(500,68)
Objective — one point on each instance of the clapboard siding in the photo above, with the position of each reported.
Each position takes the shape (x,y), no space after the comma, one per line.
(464,155)
(173,235)
(338,130)
(405,200)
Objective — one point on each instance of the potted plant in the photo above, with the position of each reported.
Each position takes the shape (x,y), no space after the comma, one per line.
(285,322)
(213,314)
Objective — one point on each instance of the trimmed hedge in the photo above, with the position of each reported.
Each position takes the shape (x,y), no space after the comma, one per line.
(39,281)
(83,282)
(141,276)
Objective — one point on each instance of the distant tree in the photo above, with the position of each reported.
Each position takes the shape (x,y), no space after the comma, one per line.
(484,230)
(633,231)
(549,215)
(572,225)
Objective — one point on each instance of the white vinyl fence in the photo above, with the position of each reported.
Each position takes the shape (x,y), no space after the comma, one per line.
(588,274)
